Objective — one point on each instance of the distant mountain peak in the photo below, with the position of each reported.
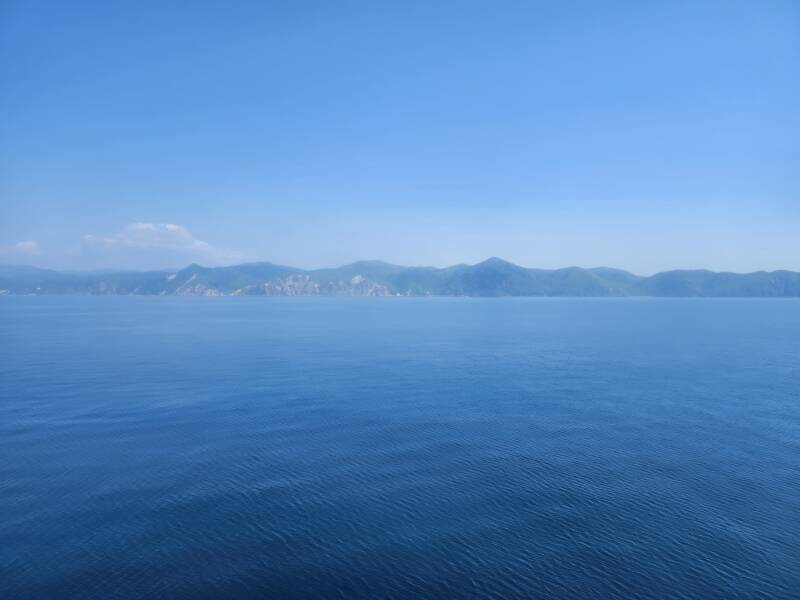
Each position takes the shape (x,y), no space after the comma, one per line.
(496,260)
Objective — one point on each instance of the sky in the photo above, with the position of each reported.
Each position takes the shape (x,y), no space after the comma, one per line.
(639,135)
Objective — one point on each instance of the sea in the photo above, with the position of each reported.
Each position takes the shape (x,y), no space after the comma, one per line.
(181,447)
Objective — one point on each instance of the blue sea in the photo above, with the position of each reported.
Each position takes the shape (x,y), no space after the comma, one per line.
(399,448)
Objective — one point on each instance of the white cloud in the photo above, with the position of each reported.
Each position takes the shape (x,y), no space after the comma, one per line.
(151,244)
(29,247)
(23,249)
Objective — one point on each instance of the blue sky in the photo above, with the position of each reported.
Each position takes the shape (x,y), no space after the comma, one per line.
(640,135)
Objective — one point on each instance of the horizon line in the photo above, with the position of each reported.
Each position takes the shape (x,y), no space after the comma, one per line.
(495,259)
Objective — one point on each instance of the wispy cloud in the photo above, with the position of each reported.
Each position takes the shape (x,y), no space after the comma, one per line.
(157,244)
(23,249)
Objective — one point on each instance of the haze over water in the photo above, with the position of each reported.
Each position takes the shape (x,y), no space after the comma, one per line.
(459,447)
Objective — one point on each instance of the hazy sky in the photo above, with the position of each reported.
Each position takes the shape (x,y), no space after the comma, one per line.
(641,135)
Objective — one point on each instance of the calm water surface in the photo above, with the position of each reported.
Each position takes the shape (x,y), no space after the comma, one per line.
(376,448)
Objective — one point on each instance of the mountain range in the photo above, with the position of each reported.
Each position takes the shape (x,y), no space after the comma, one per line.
(493,277)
